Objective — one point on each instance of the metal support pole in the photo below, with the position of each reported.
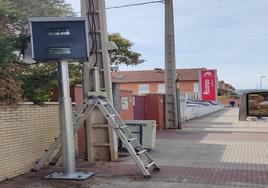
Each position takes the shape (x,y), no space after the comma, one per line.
(66,120)
(243,108)
(179,109)
(260,82)
(66,129)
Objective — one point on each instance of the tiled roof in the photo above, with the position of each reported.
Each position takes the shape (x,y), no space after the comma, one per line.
(156,75)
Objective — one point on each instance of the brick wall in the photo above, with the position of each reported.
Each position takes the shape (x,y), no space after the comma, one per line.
(25,132)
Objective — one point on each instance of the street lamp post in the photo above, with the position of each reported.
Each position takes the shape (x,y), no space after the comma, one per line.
(261,77)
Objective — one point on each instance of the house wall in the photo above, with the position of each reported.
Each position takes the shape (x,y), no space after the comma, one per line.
(134,87)
(25,133)
(185,86)
(127,110)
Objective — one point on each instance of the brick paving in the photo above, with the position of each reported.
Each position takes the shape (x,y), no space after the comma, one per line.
(216,151)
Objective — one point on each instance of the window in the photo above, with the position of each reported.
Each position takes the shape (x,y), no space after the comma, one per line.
(161,88)
(144,88)
(196,88)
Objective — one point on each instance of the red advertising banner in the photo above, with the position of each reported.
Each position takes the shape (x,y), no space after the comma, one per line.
(208,85)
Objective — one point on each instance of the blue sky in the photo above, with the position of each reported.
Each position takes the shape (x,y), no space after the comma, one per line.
(228,35)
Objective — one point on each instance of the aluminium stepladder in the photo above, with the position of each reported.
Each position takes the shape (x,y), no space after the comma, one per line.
(140,156)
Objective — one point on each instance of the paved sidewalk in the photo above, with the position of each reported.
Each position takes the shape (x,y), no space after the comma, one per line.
(216,151)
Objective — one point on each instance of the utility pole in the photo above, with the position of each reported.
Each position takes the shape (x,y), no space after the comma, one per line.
(100,137)
(171,104)
(261,77)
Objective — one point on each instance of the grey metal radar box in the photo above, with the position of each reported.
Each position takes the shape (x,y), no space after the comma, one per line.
(59,38)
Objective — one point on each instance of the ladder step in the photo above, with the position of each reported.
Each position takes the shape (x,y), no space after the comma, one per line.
(123,127)
(82,107)
(141,152)
(149,165)
(124,133)
(112,115)
(104,103)
(131,139)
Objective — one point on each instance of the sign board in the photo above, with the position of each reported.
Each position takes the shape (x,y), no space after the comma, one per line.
(59,38)
(257,104)
(208,85)
(124,103)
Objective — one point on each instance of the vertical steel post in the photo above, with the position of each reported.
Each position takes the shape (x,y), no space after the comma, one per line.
(66,129)
(243,108)
(261,77)
(179,108)
(216,87)
(66,120)
(171,104)
(260,82)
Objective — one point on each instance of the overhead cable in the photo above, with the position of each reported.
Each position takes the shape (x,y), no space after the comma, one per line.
(135,4)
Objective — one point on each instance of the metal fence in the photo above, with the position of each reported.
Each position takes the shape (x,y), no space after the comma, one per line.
(189,95)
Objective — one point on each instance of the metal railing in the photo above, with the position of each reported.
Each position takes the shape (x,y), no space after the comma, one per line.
(189,95)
